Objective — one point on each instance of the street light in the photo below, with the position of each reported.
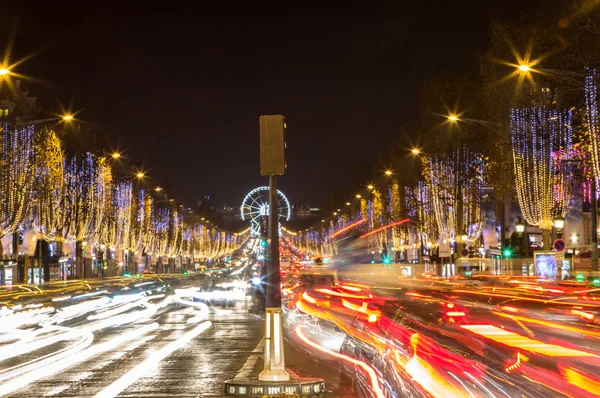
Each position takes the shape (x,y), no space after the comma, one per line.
(158,189)
(416,151)
(388,172)
(464,237)
(452,118)
(559,223)
(348,203)
(524,68)
(520,227)
(67,118)
(4,71)
(116,155)
(140,174)
(358,196)
(370,186)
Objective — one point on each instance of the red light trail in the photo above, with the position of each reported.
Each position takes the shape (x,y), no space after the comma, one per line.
(354,224)
(386,227)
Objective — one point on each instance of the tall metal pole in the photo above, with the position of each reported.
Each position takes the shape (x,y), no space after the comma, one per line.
(274,369)
(273,275)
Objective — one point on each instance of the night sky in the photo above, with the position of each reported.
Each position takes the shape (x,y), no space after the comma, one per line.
(180,88)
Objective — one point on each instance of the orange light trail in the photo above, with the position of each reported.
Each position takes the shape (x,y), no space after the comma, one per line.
(426,375)
(455,313)
(340,294)
(386,227)
(351,288)
(549,324)
(583,314)
(514,365)
(372,376)
(515,340)
(517,297)
(373,315)
(354,224)
(306,297)
(577,379)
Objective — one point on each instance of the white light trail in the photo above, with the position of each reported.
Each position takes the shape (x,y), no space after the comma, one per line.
(54,367)
(140,370)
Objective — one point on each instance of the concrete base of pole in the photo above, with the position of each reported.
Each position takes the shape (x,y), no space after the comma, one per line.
(274,356)
(252,387)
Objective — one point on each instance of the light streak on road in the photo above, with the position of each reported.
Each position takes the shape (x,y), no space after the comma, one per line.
(53,367)
(515,340)
(573,377)
(375,386)
(143,368)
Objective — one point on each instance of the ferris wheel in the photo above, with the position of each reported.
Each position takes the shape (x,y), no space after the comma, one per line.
(256,205)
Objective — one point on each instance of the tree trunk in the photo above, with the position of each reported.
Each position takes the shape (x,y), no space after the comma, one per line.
(79,268)
(546,239)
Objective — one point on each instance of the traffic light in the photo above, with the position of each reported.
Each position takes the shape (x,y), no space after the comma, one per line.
(596,282)
(272,145)
(264,243)
(579,278)
(507,252)
(387,260)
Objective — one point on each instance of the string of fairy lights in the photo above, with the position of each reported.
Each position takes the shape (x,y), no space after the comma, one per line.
(67,198)
(538,135)
(591,104)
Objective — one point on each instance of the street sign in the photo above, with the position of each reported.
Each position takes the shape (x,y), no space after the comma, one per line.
(464,252)
(559,245)
(272,145)
(444,250)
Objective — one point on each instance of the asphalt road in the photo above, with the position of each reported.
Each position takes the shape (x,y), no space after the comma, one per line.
(137,345)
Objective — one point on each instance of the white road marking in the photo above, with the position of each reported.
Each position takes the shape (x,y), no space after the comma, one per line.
(248,367)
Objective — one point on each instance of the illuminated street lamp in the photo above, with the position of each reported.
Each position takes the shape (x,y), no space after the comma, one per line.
(370,186)
(140,174)
(67,118)
(4,71)
(520,227)
(416,151)
(358,196)
(464,237)
(452,118)
(158,189)
(559,223)
(116,155)
(388,172)
(348,203)
(524,68)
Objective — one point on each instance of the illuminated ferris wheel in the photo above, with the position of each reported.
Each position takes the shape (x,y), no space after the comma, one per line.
(256,205)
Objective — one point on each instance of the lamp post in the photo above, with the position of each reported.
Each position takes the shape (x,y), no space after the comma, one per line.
(559,223)
(520,227)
